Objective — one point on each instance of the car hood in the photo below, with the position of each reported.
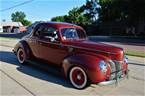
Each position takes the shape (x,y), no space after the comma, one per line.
(99,47)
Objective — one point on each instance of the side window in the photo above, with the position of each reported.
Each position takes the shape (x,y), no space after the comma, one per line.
(37,30)
(48,32)
(44,32)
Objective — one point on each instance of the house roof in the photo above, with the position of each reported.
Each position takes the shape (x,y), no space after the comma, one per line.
(17,24)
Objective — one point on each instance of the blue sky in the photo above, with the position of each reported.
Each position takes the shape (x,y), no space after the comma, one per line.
(38,9)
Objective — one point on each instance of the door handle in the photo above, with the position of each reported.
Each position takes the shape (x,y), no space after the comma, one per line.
(40,43)
(32,41)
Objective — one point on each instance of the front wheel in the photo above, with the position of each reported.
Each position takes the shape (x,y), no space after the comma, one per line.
(78,77)
(21,55)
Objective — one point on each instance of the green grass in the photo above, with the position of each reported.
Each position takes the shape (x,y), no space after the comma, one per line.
(7,38)
(134,53)
(7,46)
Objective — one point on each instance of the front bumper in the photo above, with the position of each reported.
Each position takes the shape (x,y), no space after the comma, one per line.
(114,81)
(110,82)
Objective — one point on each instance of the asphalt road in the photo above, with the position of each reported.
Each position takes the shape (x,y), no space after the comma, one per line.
(137,45)
(17,79)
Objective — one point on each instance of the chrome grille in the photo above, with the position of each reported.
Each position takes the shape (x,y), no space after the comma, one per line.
(112,65)
(116,67)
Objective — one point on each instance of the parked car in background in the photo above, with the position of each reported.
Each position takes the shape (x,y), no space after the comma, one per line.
(66,46)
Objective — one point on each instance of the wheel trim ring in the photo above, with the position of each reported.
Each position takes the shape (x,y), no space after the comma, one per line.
(21,55)
(79,84)
(78,77)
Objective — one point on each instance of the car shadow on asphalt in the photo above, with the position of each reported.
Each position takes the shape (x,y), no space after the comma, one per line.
(34,71)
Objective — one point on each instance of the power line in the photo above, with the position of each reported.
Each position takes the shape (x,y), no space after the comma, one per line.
(16,5)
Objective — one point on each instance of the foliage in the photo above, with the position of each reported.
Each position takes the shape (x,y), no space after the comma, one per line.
(117,10)
(20,17)
(58,19)
(129,13)
(90,9)
(132,12)
(26,22)
(75,16)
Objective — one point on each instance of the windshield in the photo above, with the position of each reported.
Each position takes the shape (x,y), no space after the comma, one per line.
(73,33)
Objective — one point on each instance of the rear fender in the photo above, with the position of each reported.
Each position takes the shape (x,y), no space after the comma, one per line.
(23,44)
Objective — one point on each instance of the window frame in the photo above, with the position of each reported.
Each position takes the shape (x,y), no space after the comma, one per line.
(41,32)
(84,38)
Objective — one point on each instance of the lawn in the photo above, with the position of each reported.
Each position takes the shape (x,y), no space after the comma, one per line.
(7,38)
(134,53)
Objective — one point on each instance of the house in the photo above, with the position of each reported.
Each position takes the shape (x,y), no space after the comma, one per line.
(1,28)
(12,27)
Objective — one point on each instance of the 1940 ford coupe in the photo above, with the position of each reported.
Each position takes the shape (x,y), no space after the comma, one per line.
(66,46)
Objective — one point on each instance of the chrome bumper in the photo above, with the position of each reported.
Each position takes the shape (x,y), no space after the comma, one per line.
(115,81)
(110,82)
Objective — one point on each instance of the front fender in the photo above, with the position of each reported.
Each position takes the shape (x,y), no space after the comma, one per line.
(89,63)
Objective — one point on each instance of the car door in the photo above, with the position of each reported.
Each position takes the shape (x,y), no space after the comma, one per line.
(51,51)
(33,40)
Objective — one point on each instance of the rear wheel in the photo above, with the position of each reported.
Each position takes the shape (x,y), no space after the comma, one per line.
(21,55)
(78,77)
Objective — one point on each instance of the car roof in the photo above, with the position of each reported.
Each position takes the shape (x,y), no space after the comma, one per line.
(61,24)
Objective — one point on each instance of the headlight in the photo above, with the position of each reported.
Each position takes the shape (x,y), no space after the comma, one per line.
(103,66)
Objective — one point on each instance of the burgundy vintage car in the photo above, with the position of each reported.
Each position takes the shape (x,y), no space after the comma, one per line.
(66,46)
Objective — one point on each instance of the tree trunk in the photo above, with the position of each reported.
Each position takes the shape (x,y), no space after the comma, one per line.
(140,27)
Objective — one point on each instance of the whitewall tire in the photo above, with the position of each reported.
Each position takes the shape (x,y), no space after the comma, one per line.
(78,77)
(21,56)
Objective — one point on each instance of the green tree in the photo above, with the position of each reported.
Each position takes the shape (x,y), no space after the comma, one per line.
(26,22)
(20,17)
(90,9)
(130,11)
(75,16)
(58,19)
